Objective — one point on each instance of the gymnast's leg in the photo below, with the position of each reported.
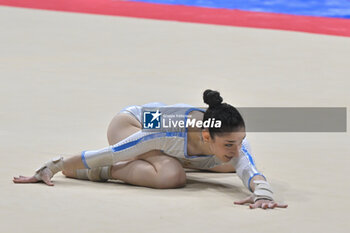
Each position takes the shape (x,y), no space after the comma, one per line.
(153,169)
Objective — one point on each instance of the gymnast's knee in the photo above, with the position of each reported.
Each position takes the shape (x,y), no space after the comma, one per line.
(170,179)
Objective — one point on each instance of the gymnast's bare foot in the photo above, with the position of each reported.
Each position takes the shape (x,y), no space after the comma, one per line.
(45,175)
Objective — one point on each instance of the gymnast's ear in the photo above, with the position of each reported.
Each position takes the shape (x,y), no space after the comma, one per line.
(206,135)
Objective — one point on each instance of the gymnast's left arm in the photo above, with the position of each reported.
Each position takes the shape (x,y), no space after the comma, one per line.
(262,194)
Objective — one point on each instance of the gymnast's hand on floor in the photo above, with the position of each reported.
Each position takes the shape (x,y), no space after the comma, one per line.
(45,177)
(264,204)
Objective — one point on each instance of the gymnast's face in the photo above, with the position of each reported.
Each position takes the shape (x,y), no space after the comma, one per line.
(225,146)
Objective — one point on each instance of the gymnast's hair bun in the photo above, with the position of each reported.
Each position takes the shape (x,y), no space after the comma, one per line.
(212,98)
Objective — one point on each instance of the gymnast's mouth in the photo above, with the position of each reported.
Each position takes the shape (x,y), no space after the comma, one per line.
(228,157)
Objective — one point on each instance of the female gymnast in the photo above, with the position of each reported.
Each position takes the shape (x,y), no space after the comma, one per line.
(156,159)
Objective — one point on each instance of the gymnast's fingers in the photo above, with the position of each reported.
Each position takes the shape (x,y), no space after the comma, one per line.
(255,205)
(244,201)
(282,206)
(272,205)
(264,205)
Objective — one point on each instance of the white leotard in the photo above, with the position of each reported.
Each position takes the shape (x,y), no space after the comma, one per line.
(172,143)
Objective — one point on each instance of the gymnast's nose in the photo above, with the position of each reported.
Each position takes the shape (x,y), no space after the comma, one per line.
(235,151)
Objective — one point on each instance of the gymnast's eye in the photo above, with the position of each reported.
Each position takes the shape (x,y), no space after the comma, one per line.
(229,145)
